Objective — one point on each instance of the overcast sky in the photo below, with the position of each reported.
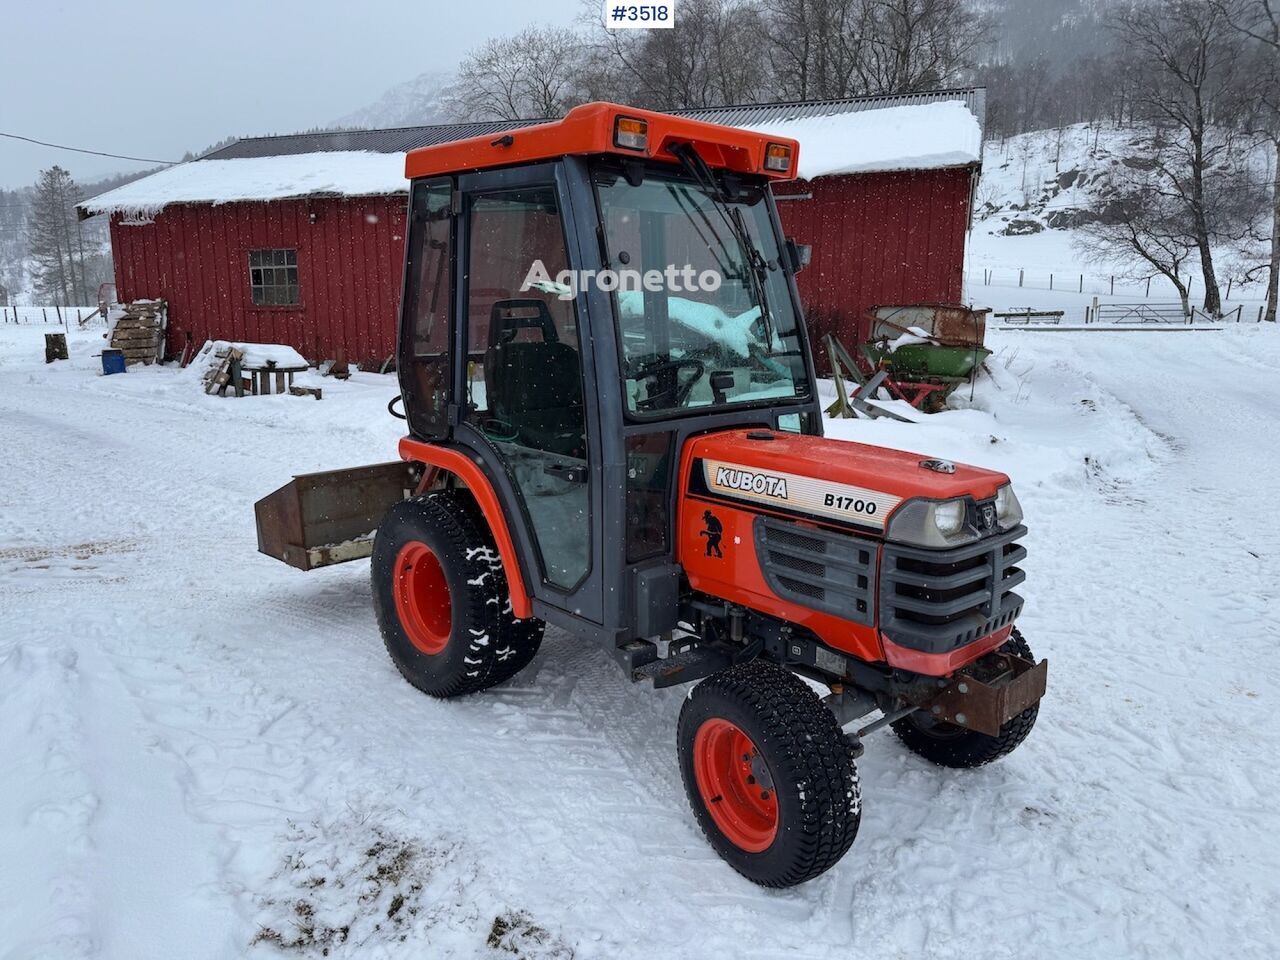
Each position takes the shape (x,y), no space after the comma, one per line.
(156,79)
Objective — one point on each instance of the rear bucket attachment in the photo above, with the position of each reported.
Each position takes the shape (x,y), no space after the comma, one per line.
(317,519)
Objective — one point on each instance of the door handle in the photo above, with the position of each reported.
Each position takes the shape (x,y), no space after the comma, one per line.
(566,472)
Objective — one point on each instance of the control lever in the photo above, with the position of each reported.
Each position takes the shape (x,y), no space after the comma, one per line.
(721,382)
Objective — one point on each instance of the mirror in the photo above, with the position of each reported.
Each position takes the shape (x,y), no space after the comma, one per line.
(798,254)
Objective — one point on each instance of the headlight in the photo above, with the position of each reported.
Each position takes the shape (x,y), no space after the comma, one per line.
(932,523)
(948,517)
(1008,509)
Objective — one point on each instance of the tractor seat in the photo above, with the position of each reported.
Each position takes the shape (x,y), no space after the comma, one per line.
(535,386)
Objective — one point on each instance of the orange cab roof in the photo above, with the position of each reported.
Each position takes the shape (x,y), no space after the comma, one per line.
(589,129)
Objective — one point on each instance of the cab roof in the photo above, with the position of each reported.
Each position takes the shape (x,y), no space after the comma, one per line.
(590,129)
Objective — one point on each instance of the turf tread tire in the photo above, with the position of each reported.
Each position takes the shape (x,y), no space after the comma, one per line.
(518,639)
(485,648)
(971,748)
(810,760)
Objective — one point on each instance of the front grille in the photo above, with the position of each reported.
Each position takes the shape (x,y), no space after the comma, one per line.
(827,571)
(938,600)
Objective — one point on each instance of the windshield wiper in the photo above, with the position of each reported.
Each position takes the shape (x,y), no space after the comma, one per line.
(689,207)
(754,263)
(757,269)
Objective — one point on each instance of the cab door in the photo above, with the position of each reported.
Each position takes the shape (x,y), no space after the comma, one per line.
(525,389)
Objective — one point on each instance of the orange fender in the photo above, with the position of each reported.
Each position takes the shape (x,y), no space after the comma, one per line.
(469,472)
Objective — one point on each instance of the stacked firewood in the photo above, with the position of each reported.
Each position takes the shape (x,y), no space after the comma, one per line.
(139,330)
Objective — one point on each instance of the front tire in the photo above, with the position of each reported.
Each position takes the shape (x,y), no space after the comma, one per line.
(948,745)
(441,599)
(769,774)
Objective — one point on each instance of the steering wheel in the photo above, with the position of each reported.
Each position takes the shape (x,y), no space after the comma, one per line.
(500,430)
(679,392)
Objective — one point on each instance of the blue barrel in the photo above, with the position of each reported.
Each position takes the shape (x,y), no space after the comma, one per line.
(112,362)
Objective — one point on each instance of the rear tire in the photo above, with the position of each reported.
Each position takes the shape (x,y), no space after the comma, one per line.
(948,745)
(769,774)
(441,599)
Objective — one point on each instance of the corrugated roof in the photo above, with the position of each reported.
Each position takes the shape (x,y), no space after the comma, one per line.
(395,140)
(743,115)
(404,139)
(855,135)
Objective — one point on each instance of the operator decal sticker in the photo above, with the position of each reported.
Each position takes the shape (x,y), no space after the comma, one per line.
(713,533)
(796,494)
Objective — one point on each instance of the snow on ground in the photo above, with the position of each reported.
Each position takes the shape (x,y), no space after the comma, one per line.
(208,755)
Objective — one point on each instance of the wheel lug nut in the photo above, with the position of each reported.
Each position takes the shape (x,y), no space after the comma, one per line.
(750,779)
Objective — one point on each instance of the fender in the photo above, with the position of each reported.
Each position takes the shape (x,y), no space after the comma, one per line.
(469,472)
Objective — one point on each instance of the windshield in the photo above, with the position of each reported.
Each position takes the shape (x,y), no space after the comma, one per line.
(719,327)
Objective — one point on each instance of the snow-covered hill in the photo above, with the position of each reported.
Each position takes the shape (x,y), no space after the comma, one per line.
(1048,179)
(416,101)
(1036,190)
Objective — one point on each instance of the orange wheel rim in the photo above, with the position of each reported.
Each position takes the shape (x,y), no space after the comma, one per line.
(421,595)
(735,785)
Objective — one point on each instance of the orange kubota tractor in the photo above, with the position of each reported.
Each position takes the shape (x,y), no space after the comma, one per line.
(642,465)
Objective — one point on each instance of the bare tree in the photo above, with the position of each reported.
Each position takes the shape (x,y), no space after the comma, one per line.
(530,75)
(1144,231)
(1183,57)
(813,47)
(1259,22)
(911,45)
(712,58)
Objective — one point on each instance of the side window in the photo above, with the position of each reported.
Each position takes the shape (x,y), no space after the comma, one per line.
(273,277)
(790,423)
(524,369)
(424,376)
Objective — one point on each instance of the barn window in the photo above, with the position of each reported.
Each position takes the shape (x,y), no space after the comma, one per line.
(273,277)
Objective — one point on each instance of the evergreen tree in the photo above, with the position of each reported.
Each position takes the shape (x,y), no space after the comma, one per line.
(53,236)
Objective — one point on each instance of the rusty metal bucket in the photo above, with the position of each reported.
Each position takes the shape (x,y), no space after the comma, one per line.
(952,324)
(317,519)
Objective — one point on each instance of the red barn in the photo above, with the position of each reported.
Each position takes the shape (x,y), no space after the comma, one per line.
(299,239)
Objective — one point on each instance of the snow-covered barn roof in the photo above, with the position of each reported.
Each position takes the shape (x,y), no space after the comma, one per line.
(923,131)
(931,136)
(347,173)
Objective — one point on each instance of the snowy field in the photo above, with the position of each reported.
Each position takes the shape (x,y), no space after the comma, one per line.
(207,754)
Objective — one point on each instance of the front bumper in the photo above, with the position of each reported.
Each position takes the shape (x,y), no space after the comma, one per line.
(991,692)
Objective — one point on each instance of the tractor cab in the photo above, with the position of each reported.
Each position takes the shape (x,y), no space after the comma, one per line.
(580,298)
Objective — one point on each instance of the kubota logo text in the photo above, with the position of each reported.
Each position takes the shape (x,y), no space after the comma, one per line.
(748,482)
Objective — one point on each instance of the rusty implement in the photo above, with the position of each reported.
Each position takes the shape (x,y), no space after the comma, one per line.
(951,324)
(317,519)
(991,692)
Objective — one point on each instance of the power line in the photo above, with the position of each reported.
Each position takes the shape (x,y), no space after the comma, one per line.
(96,153)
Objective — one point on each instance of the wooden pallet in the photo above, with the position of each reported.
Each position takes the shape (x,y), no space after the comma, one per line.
(223,373)
(139,333)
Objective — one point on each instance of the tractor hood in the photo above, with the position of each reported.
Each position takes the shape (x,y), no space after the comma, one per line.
(828,479)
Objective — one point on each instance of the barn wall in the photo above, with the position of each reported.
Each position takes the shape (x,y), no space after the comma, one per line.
(877,238)
(882,238)
(350,263)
